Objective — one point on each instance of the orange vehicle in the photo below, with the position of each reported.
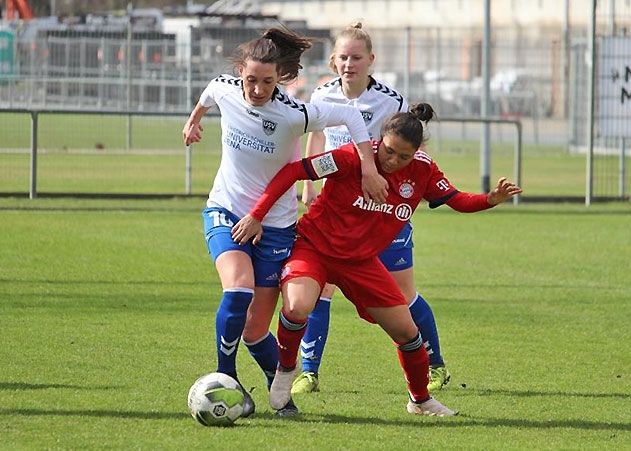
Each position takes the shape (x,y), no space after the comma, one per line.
(19,8)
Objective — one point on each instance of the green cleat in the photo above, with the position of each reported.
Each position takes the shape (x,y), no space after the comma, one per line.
(438,377)
(307,382)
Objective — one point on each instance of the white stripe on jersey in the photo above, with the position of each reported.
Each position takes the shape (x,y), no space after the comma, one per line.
(422,156)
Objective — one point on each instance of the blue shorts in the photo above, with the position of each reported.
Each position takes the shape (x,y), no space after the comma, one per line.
(267,256)
(399,254)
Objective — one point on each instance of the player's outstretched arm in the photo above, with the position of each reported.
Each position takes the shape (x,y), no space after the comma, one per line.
(192,131)
(246,228)
(503,191)
(315,145)
(471,203)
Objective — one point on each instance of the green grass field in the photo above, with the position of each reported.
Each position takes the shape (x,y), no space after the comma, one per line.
(107,317)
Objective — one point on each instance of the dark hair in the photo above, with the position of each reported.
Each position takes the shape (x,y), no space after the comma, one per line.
(353,31)
(279,46)
(409,125)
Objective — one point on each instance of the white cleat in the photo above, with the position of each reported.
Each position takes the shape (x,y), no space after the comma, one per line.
(431,407)
(280,391)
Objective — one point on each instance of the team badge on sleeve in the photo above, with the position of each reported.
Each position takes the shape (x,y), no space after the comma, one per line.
(324,165)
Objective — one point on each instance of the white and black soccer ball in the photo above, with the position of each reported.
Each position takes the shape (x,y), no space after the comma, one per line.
(215,399)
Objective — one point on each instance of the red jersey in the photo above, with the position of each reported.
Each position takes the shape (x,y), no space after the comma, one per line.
(340,223)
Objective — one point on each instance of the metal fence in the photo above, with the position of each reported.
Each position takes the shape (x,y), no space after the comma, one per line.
(539,77)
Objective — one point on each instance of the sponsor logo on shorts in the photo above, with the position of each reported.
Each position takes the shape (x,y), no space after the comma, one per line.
(272,276)
(401,261)
(280,251)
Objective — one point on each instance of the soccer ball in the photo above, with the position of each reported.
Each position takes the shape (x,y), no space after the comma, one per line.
(215,399)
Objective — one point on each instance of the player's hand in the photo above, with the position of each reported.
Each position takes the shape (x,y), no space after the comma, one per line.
(504,190)
(192,133)
(247,228)
(309,193)
(374,186)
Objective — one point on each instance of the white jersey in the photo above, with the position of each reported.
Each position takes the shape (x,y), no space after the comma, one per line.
(377,103)
(257,141)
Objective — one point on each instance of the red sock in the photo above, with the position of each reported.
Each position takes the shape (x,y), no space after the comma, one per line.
(415,364)
(289,334)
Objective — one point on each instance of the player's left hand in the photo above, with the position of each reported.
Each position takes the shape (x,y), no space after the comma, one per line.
(504,190)
(247,228)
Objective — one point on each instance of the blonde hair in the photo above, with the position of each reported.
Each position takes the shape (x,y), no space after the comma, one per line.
(353,31)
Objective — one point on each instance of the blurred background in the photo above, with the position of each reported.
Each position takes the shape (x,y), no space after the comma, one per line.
(153,59)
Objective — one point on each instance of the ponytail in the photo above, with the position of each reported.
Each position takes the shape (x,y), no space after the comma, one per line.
(409,126)
(279,46)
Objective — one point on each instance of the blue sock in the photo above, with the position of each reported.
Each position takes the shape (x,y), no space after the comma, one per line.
(229,324)
(312,344)
(265,352)
(424,318)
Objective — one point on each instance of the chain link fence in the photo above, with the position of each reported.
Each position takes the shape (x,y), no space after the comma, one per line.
(539,76)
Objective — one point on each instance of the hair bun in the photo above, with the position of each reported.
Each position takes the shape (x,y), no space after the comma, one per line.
(422,111)
(357,25)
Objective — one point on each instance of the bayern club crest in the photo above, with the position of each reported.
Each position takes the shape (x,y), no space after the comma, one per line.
(269,127)
(406,190)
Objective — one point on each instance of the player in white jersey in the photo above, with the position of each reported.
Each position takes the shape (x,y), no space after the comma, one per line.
(260,131)
(351,61)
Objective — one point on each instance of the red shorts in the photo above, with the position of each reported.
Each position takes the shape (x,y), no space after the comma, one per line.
(366,283)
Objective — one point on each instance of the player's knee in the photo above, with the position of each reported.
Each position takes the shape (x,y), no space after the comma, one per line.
(298,309)
(255,332)
(404,334)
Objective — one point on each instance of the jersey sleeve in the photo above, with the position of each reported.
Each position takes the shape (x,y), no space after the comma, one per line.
(439,188)
(316,95)
(323,114)
(405,107)
(328,164)
(469,202)
(216,88)
(440,191)
(207,99)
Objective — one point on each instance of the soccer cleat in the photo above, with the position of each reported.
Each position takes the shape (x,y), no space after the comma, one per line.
(248,403)
(438,377)
(280,391)
(431,407)
(306,382)
(290,410)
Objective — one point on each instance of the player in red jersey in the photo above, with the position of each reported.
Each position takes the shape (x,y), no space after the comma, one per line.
(341,235)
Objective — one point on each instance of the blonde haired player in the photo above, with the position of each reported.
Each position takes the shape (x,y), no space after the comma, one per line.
(352,60)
